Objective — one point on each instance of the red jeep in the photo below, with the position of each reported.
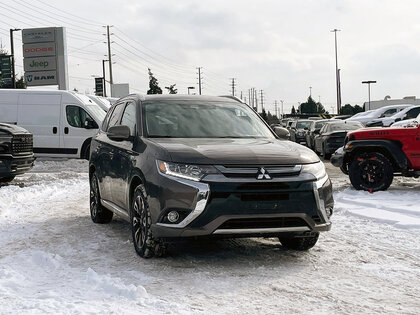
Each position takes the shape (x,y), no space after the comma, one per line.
(373,156)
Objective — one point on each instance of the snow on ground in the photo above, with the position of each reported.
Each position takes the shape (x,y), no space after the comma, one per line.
(53,259)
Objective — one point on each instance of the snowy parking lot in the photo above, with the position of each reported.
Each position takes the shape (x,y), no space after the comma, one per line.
(53,259)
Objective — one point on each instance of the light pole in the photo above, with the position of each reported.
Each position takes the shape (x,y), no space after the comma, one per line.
(368,83)
(190,88)
(337,78)
(103,74)
(12,51)
(282,112)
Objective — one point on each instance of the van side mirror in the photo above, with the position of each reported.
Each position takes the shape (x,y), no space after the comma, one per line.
(119,133)
(90,124)
(282,133)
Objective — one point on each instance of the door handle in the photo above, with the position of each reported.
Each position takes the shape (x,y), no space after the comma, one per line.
(66,130)
(54,130)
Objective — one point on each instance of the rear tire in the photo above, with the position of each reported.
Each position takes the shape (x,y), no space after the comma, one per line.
(141,222)
(371,172)
(98,213)
(6,179)
(86,153)
(326,155)
(300,243)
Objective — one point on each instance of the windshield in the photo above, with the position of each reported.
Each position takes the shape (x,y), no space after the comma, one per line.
(97,112)
(303,124)
(345,127)
(202,120)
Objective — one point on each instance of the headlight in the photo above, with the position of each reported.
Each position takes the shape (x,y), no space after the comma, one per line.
(316,169)
(187,171)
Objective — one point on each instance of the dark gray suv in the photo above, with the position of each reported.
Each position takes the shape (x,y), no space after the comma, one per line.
(190,166)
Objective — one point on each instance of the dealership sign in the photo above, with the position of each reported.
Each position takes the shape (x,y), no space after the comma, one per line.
(45,60)
(40,63)
(41,78)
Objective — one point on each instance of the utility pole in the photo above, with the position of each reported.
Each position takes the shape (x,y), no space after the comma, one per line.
(337,78)
(12,51)
(103,74)
(256,99)
(249,97)
(199,80)
(282,113)
(233,86)
(275,108)
(108,35)
(241,95)
(262,100)
(310,91)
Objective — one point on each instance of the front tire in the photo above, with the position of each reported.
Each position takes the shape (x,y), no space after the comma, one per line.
(98,213)
(300,243)
(141,222)
(371,172)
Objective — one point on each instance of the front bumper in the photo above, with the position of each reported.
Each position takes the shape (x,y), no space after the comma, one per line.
(12,166)
(243,207)
(337,158)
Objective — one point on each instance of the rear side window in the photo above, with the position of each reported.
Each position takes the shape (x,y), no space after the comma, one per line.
(413,113)
(76,116)
(129,117)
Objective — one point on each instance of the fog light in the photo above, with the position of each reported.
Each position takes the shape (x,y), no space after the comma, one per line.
(173,216)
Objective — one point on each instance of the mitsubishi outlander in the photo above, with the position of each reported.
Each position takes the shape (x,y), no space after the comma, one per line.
(190,166)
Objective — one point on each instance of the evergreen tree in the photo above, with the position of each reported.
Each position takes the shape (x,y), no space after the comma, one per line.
(21,84)
(171,89)
(264,115)
(311,107)
(153,84)
(293,110)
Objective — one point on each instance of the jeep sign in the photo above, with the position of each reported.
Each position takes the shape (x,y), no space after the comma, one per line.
(41,78)
(40,63)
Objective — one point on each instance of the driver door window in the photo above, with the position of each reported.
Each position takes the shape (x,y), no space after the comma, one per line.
(77,116)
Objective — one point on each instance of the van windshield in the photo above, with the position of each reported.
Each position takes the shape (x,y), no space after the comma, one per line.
(199,119)
(97,112)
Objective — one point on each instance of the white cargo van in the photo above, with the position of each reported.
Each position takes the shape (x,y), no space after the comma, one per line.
(62,122)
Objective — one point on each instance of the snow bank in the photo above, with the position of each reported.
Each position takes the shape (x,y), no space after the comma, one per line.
(43,282)
(397,207)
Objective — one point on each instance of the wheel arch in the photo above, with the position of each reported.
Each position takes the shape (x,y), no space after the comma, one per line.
(392,150)
(85,145)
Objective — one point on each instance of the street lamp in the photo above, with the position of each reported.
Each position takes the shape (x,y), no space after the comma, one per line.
(12,51)
(368,83)
(337,74)
(190,88)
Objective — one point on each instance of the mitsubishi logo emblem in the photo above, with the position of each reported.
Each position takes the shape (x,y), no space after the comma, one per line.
(263,174)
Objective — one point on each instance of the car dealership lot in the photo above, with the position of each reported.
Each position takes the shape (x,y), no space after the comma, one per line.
(54,259)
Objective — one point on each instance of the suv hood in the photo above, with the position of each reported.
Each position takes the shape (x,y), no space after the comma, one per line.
(236,151)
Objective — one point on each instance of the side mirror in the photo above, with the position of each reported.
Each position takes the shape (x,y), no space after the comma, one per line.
(316,131)
(282,133)
(306,128)
(119,133)
(90,124)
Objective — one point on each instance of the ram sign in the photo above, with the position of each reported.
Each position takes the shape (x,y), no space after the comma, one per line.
(44,52)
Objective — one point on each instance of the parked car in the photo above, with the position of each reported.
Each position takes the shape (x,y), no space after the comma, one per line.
(407,122)
(407,113)
(381,112)
(62,122)
(373,156)
(16,155)
(298,130)
(187,166)
(332,135)
(313,130)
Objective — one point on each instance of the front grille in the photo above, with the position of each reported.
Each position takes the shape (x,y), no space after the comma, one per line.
(251,171)
(22,144)
(263,223)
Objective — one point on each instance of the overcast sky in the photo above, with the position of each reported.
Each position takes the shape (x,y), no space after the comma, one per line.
(280,47)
